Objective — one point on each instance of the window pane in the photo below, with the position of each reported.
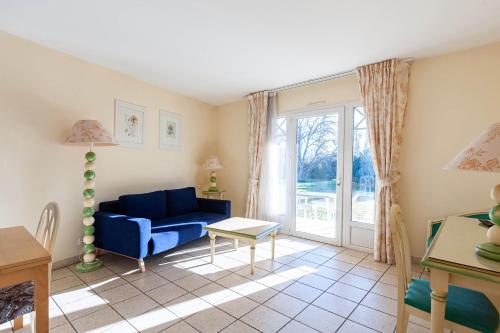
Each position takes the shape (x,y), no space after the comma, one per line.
(363,175)
(316,173)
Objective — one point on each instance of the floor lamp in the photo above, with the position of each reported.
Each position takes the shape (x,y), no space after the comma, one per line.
(89,133)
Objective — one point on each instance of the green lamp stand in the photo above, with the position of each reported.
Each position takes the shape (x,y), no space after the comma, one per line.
(491,250)
(213,182)
(89,133)
(212,163)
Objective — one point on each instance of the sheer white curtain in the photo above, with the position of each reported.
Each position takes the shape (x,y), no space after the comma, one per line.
(257,123)
(273,200)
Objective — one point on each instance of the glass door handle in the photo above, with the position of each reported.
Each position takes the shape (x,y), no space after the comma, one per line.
(339,182)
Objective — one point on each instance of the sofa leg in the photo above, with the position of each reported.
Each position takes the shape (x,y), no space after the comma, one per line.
(141,265)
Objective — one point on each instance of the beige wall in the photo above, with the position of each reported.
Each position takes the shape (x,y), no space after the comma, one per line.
(452,99)
(232,149)
(42,93)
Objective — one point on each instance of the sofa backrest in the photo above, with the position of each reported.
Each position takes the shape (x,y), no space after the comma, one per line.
(181,201)
(112,206)
(154,205)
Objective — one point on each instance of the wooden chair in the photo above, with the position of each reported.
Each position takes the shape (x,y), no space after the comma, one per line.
(21,295)
(466,310)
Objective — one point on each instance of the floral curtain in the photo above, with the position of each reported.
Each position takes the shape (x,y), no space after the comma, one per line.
(258,106)
(384,92)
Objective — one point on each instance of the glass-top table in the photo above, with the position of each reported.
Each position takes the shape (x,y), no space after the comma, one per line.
(453,249)
(451,259)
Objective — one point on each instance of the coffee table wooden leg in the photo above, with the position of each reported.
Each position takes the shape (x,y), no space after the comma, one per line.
(212,246)
(252,257)
(273,243)
(236,244)
(42,298)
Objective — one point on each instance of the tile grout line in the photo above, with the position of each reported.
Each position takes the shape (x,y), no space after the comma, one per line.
(64,314)
(250,280)
(344,318)
(359,303)
(268,272)
(188,292)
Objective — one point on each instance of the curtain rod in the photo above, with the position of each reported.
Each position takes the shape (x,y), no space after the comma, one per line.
(322,79)
(316,80)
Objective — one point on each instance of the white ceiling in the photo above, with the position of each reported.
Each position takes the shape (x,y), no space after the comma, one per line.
(219,50)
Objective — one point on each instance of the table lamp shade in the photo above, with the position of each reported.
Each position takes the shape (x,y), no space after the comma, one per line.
(483,154)
(212,163)
(86,132)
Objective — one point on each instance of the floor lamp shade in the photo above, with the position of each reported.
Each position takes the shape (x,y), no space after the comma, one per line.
(483,154)
(89,133)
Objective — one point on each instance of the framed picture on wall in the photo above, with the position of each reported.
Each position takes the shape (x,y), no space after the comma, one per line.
(170,130)
(129,124)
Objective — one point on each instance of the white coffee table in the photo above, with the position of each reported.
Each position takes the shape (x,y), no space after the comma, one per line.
(247,230)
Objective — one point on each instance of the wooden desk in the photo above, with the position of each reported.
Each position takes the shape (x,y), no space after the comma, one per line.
(452,260)
(22,259)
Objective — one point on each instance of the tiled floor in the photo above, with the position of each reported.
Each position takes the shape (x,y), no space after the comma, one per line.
(310,287)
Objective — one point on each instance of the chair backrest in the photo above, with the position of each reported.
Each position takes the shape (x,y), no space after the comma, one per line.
(48,225)
(401,250)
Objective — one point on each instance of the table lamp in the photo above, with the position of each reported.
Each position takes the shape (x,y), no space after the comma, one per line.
(89,133)
(483,154)
(212,163)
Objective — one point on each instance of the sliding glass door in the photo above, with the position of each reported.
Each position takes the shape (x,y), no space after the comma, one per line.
(320,149)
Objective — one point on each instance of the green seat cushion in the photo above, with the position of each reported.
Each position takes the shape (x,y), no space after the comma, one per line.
(463,306)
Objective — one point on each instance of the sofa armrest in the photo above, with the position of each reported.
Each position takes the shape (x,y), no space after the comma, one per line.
(122,234)
(215,206)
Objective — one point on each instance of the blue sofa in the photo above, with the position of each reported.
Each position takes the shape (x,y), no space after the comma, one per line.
(141,225)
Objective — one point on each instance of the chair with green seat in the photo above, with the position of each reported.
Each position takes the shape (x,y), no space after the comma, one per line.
(434,225)
(466,310)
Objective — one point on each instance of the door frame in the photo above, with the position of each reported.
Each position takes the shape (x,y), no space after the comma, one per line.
(292,118)
(344,223)
(348,224)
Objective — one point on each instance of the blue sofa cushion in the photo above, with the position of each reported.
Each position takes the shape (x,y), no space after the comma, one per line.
(166,237)
(202,217)
(181,201)
(152,206)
